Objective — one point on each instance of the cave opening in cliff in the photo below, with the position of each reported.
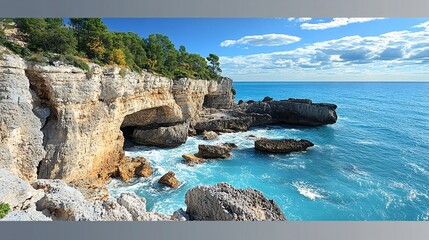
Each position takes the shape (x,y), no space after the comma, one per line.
(147,119)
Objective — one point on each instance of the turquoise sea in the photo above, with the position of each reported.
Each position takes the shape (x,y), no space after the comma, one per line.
(373,164)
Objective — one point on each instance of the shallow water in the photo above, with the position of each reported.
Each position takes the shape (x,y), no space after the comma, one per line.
(373,164)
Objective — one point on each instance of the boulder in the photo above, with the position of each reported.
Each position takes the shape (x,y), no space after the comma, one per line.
(209,135)
(134,166)
(214,151)
(223,202)
(191,159)
(296,111)
(136,206)
(169,179)
(144,170)
(164,136)
(282,145)
(16,192)
(180,215)
(26,215)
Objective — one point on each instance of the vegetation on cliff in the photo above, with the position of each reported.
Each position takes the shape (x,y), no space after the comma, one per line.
(4,209)
(83,39)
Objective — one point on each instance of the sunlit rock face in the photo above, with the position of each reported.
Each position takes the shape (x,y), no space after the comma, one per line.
(63,122)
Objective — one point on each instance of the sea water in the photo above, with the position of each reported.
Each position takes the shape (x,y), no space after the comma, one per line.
(373,164)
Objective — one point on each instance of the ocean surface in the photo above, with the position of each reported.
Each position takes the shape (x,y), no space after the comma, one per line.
(373,164)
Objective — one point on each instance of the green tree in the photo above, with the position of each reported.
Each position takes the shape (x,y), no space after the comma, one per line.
(214,66)
(93,37)
(47,35)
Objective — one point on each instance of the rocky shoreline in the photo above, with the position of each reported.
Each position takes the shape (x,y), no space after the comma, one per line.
(60,122)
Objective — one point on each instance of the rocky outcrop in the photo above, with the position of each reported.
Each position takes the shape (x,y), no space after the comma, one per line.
(230,121)
(282,146)
(26,215)
(62,202)
(144,170)
(170,136)
(21,141)
(214,151)
(130,167)
(191,159)
(296,111)
(169,179)
(209,135)
(16,192)
(81,115)
(223,202)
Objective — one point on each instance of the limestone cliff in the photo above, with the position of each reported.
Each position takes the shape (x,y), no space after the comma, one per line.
(80,115)
(21,146)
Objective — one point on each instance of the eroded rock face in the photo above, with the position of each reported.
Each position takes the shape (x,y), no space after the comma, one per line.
(296,111)
(214,151)
(81,113)
(171,136)
(223,202)
(21,141)
(16,192)
(169,179)
(282,145)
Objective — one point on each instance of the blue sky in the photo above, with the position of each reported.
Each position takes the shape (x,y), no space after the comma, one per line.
(300,49)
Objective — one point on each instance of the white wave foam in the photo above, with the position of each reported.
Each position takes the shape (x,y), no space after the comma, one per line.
(309,191)
(367,142)
(418,169)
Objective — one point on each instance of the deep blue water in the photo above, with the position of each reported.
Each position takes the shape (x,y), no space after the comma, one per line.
(373,164)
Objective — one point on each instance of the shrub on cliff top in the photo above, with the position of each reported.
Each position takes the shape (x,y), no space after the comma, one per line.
(4,209)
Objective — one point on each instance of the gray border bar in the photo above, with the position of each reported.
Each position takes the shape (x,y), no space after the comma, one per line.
(214,8)
(216,230)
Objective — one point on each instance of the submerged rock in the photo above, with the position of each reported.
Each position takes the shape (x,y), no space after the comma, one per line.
(191,159)
(282,146)
(214,151)
(169,179)
(209,135)
(170,136)
(223,202)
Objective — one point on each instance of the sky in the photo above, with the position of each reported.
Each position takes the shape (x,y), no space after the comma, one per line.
(300,49)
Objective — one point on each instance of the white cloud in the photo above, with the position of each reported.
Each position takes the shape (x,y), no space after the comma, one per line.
(403,53)
(299,19)
(336,22)
(424,25)
(262,40)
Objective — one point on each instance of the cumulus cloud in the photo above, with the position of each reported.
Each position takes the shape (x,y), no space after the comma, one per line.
(336,22)
(385,53)
(262,40)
